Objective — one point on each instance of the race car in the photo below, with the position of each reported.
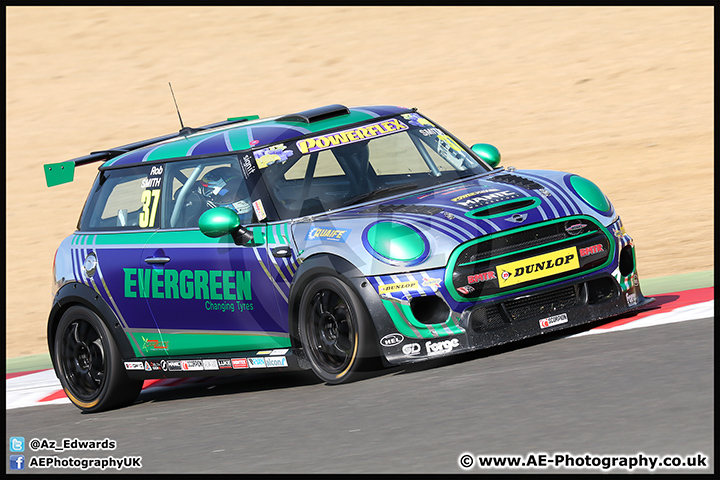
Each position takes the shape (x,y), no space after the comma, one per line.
(334,239)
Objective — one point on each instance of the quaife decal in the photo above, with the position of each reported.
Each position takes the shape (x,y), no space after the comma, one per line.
(541,266)
(187,284)
(331,234)
(345,137)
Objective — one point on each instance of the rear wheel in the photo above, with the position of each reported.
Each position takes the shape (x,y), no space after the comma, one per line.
(335,330)
(89,363)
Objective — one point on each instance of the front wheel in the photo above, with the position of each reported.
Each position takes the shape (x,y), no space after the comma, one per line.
(89,364)
(335,330)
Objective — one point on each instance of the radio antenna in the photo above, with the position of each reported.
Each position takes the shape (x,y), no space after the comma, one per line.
(182,127)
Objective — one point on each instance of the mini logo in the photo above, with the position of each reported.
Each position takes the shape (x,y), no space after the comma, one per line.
(517,218)
(391,339)
(17,462)
(411,349)
(17,444)
(574,227)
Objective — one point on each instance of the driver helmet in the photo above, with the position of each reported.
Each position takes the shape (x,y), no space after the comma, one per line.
(222,188)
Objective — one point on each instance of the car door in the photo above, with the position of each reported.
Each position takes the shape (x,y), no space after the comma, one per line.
(114,228)
(209,294)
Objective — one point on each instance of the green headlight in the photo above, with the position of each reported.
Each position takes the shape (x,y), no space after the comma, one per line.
(590,193)
(396,243)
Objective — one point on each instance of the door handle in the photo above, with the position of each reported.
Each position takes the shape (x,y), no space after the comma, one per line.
(157,260)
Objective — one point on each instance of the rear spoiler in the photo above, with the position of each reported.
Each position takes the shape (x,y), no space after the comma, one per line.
(64,172)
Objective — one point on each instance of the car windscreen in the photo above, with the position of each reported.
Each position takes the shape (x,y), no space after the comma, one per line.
(362,163)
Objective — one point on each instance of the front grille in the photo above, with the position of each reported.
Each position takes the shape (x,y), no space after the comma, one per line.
(482,267)
(485,318)
(500,245)
(544,304)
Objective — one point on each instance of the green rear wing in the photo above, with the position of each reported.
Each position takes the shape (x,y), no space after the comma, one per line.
(59,173)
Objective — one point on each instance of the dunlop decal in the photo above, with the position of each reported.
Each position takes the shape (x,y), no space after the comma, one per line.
(541,266)
(397,287)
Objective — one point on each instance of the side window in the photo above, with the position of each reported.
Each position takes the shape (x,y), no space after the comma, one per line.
(125,199)
(195,186)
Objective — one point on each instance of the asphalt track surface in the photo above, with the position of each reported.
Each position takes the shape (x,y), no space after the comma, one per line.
(644,391)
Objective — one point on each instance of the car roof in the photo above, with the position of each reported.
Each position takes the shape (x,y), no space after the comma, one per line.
(254,133)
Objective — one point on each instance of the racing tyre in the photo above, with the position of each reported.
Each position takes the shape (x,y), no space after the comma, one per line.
(335,331)
(89,364)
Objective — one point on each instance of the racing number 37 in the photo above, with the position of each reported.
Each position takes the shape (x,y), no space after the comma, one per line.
(150,200)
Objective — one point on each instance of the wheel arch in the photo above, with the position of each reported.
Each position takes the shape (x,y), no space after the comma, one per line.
(333,265)
(74,294)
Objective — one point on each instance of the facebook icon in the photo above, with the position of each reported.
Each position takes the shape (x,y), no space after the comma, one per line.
(17,462)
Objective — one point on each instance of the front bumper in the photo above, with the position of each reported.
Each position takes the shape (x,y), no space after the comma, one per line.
(428,318)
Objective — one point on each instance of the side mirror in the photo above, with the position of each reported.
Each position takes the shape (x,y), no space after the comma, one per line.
(488,153)
(220,221)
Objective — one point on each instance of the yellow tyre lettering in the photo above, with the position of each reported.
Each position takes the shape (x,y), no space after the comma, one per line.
(79,402)
(352,360)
